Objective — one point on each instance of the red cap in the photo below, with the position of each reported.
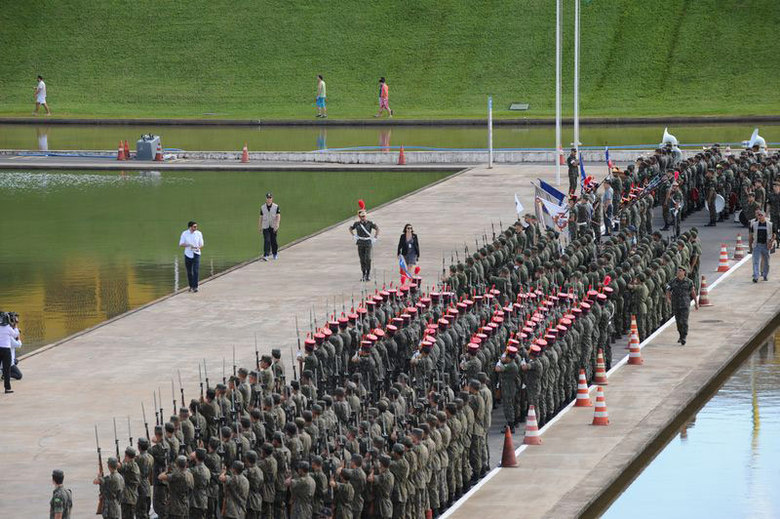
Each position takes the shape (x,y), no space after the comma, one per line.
(379,332)
(511,350)
(391,329)
(473,347)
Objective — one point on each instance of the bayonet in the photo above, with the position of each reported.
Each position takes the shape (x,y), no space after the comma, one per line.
(146,424)
(116,441)
(181,389)
(156,415)
(129,431)
(162,416)
(257,354)
(200,380)
(173,397)
(205,374)
(224,378)
(234,360)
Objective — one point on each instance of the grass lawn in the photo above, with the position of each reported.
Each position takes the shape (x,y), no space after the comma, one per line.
(259,59)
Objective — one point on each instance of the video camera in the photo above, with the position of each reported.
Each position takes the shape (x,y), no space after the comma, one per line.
(8,318)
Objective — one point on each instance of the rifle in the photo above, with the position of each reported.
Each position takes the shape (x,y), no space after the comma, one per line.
(298,338)
(162,416)
(181,388)
(234,360)
(100,473)
(129,431)
(156,415)
(224,378)
(206,376)
(200,381)
(116,441)
(257,354)
(173,398)
(146,424)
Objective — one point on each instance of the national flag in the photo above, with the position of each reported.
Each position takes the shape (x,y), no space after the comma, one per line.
(554,193)
(583,176)
(609,162)
(551,208)
(403,269)
(518,206)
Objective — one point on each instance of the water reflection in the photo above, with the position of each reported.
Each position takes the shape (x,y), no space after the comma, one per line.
(727,465)
(88,246)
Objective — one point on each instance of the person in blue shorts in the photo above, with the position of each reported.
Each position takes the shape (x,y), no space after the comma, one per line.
(322,110)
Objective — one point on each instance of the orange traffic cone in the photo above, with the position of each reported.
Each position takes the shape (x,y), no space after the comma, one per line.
(561,160)
(601,370)
(508,456)
(634,330)
(704,293)
(120,152)
(583,397)
(723,261)
(401,157)
(531,429)
(634,354)
(158,156)
(600,415)
(127,150)
(244,154)
(739,250)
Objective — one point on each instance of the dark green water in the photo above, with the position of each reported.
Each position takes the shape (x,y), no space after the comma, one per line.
(56,137)
(82,247)
(724,461)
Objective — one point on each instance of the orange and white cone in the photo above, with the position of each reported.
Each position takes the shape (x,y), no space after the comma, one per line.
(583,396)
(739,250)
(127,150)
(531,429)
(120,152)
(601,370)
(634,354)
(402,156)
(245,154)
(723,260)
(508,458)
(634,330)
(600,415)
(704,293)
(158,156)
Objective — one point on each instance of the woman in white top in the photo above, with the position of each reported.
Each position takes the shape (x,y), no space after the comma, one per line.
(9,340)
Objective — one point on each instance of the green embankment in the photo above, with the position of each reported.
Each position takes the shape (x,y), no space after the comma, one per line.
(252,59)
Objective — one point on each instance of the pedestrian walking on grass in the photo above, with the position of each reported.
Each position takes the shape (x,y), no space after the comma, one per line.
(40,96)
(384,98)
(270,217)
(322,110)
(409,246)
(192,241)
(761,239)
(679,293)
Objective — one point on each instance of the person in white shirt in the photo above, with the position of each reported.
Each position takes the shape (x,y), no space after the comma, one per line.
(192,241)
(40,96)
(9,341)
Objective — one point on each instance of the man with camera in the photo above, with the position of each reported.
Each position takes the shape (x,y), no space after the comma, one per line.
(9,341)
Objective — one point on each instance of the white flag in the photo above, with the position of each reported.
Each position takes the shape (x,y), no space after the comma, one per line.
(518,206)
(552,209)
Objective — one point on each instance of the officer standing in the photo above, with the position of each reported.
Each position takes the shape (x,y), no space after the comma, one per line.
(61,499)
(270,217)
(361,231)
(573,164)
(679,293)
(111,487)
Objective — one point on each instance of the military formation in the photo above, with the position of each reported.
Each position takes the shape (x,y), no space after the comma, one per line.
(388,408)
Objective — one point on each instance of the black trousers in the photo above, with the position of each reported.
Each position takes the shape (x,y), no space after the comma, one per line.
(193,268)
(5,359)
(270,246)
(364,253)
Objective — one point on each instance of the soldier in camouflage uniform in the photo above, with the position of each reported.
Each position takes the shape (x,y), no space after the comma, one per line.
(111,487)
(680,292)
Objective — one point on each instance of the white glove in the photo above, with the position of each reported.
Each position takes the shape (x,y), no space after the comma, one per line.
(354,237)
(373,240)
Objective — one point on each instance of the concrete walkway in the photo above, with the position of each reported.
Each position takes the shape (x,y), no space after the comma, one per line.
(577,462)
(108,371)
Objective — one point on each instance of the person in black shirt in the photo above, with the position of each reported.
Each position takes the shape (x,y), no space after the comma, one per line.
(409,246)
(760,241)
(361,232)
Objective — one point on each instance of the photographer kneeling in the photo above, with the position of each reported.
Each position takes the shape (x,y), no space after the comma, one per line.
(9,341)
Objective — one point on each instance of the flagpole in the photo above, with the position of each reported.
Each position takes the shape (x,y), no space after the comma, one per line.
(577,75)
(558,148)
(490,132)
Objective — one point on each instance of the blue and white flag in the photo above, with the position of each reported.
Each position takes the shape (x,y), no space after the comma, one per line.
(518,206)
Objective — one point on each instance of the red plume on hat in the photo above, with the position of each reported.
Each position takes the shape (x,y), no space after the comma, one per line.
(361,205)
(676,175)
